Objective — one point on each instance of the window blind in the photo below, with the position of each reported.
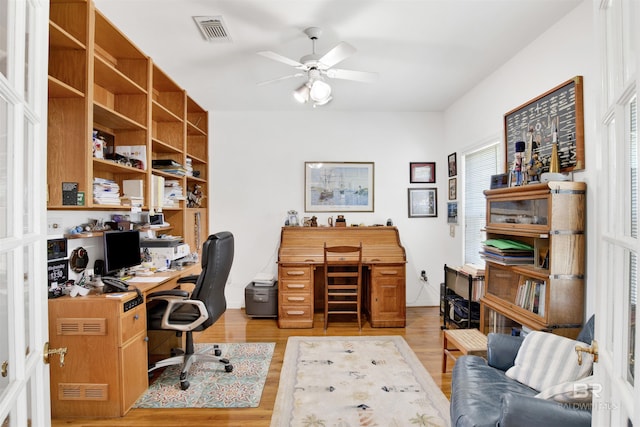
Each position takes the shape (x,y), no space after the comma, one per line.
(479,166)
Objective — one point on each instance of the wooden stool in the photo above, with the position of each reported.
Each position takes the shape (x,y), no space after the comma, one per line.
(465,341)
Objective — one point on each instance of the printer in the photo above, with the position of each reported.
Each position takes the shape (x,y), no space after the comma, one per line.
(164,251)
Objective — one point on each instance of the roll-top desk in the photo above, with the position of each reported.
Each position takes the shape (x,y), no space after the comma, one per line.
(301,280)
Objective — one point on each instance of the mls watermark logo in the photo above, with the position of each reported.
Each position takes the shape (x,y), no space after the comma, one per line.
(584,391)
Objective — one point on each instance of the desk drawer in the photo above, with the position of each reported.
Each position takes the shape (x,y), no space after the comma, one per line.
(295,312)
(295,272)
(295,298)
(133,322)
(297,286)
(388,271)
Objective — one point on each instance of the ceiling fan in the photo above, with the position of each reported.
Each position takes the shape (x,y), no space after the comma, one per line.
(316,67)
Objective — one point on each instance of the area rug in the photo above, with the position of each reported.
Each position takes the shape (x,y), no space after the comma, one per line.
(211,386)
(356,381)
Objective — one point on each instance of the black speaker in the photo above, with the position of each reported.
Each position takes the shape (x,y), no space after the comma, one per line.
(98,267)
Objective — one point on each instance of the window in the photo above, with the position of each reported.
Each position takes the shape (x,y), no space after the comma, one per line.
(479,166)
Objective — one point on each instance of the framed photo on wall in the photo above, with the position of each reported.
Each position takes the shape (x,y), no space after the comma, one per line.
(422,172)
(423,202)
(453,188)
(453,164)
(452,212)
(338,186)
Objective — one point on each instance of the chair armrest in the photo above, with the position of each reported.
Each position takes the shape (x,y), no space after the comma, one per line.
(523,411)
(189,279)
(173,303)
(502,350)
(170,292)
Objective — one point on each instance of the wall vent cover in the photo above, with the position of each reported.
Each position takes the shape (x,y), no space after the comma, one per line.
(212,28)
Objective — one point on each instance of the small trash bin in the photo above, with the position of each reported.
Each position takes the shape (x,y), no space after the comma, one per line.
(261,301)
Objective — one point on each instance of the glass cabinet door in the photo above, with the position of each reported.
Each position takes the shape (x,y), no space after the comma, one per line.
(534,212)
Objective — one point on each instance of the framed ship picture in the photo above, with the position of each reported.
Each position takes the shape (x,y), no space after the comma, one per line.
(338,186)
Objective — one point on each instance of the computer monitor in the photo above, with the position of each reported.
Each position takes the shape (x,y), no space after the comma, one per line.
(121,250)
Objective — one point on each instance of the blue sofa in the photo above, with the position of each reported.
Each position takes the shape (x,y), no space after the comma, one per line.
(482,395)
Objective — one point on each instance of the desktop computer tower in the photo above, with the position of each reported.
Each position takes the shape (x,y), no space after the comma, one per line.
(261,301)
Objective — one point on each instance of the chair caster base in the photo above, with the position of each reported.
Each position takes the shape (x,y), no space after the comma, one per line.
(228,368)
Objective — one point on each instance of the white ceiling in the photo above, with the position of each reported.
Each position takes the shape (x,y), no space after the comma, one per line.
(428,53)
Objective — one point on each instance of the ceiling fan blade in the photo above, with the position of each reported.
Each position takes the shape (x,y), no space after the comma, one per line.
(339,53)
(360,76)
(281,78)
(277,57)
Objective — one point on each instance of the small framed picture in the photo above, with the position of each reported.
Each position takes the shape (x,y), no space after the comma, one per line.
(453,188)
(453,166)
(423,202)
(452,212)
(424,173)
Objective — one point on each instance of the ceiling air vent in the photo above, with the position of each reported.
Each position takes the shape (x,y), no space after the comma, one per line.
(212,28)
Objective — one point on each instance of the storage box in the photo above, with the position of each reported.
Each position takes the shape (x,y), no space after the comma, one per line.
(261,301)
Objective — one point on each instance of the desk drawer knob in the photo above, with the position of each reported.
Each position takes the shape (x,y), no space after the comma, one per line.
(136,316)
(389,272)
(295,312)
(295,285)
(295,299)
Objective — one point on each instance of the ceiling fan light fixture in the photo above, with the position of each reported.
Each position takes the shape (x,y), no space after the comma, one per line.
(324,102)
(302,93)
(320,92)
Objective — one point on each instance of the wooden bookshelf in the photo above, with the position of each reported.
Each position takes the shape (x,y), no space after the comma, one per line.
(551,218)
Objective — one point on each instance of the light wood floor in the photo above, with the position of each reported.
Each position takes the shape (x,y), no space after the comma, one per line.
(422,333)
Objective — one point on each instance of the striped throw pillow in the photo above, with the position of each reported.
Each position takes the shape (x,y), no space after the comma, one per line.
(545,360)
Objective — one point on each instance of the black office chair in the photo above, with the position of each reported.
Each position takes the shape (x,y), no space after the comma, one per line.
(178,311)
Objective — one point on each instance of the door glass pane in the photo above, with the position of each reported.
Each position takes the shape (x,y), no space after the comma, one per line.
(29,220)
(633,303)
(28,48)
(633,173)
(27,289)
(629,40)
(4,171)
(4,320)
(31,402)
(4,21)
(633,265)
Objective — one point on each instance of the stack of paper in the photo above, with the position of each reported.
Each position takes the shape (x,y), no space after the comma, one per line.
(106,192)
(173,192)
(264,279)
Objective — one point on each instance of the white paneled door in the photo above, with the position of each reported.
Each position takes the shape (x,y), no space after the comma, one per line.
(24,377)
(615,393)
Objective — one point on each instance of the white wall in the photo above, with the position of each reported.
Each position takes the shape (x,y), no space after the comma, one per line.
(257,171)
(565,51)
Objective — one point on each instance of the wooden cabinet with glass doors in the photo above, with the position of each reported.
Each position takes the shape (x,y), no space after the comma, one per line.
(547,294)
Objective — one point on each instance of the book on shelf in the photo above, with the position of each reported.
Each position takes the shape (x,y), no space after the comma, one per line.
(507,260)
(531,296)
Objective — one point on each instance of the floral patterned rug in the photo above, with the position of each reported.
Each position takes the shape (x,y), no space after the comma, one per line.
(211,386)
(356,381)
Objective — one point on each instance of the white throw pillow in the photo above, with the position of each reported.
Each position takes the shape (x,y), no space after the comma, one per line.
(580,391)
(545,360)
